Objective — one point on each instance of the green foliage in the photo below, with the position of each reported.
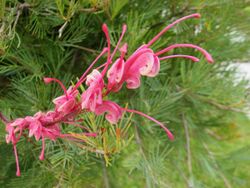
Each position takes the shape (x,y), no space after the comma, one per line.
(201,103)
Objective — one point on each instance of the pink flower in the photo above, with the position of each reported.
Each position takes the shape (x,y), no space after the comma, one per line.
(93,95)
(65,104)
(43,126)
(114,112)
(116,72)
(145,62)
(13,128)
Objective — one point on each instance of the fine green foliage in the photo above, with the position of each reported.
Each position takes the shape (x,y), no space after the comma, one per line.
(201,103)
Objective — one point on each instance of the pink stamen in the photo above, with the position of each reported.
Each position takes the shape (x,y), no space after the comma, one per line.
(41,157)
(204,52)
(48,80)
(124,28)
(170,26)
(105,30)
(18,173)
(170,135)
(82,79)
(195,59)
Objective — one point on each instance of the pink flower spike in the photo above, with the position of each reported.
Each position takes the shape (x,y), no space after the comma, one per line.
(124,28)
(48,80)
(41,157)
(170,135)
(81,80)
(195,59)
(170,26)
(204,52)
(18,173)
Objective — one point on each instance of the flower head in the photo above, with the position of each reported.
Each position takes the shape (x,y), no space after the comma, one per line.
(143,62)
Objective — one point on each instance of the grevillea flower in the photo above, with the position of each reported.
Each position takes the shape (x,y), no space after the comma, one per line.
(114,112)
(93,95)
(116,72)
(66,103)
(14,132)
(143,62)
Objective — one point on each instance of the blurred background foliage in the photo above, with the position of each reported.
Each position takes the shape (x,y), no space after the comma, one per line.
(202,104)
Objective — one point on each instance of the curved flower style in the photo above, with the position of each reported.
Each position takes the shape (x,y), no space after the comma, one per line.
(143,62)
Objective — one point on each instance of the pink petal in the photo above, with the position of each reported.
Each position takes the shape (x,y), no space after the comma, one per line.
(155,69)
(67,106)
(113,110)
(115,73)
(133,81)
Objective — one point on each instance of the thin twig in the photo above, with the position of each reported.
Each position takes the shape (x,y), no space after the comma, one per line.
(218,105)
(83,48)
(105,175)
(89,10)
(3,118)
(17,18)
(210,132)
(19,11)
(147,165)
(226,181)
(97,151)
(189,157)
(60,31)
(223,107)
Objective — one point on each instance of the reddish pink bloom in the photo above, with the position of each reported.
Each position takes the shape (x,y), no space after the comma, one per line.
(93,95)
(15,130)
(116,71)
(114,112)
(143,62)
(66,103)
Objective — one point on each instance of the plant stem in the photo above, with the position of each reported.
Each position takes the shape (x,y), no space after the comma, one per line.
(189,157)
(105,175)
(226,182)
(3,118)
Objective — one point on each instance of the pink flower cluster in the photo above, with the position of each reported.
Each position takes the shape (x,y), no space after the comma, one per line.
(143,62)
